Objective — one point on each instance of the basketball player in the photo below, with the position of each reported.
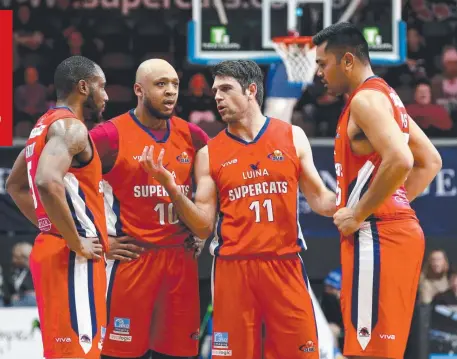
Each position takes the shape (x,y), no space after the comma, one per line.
(252,172)
(153,297)
(57,184)
(383,161)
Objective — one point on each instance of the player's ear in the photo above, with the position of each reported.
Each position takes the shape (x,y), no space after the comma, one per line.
(138,90)
(83,87)
(348,60)
(252,91)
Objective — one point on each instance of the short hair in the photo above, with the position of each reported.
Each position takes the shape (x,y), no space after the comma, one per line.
(343,37)
(422,81)
(70,71)
(245,72)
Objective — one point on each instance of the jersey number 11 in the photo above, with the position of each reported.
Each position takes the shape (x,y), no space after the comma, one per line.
(255,206)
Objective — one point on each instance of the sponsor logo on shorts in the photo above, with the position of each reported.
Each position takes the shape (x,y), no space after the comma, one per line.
(308,347)
(364,332)
(63,340)
(387,336)
(120,338)
(84,338)
(221,340)
(121,325)
(195,336)
(222,352)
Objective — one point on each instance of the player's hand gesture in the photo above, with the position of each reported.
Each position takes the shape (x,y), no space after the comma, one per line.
(91,248)
(345,221)
(156,168)
(122,249)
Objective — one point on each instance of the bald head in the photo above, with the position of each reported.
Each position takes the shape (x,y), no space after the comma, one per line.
(152,69)
(157,88)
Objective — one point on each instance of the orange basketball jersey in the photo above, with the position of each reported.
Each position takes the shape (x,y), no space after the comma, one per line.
(257,184)
(355,172)
(128,187)
(70,289)
(83,185)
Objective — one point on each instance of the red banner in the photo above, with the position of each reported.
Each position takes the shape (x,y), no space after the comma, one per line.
(6,77)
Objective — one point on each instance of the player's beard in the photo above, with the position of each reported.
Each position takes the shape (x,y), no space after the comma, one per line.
(95,112)
(153,111)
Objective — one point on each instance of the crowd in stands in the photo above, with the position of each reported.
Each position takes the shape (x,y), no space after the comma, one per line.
(426,83)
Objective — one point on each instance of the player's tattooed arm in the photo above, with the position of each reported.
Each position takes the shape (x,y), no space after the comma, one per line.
(427,162)
(200,216)
(17,185)
(66,139)
(319,197)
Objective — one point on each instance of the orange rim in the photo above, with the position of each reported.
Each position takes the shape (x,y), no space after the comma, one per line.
(288,40)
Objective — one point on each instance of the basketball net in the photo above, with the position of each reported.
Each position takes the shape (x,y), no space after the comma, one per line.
(298,55)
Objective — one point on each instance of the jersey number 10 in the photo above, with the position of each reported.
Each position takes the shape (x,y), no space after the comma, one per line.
(255,206)
(172,217)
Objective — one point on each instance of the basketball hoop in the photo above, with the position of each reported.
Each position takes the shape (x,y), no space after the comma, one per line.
(299,56)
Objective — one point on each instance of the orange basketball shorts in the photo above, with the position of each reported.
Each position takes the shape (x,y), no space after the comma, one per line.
(251,293)
(153,303)
(381,265)
(70,292)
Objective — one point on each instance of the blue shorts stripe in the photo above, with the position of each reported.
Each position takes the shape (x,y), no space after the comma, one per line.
(355,281)
(306,279)
(110,290)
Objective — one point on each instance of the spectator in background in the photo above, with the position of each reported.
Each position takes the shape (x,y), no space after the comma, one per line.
(444,86)
(198,106)
(432,118)
(23,128)
(434,278)
(31,97)
(448,297)
(28,37)
(20,282)
(417,53)
(78,45)
(403,77)
(321,108)
(300,119)
(330,304)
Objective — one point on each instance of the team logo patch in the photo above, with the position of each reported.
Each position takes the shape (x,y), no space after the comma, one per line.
(183,158)
(276,155)
(221,340)
(85,338)
(308,347)
(121,325)
(44,224)
(195,336)
(364,332)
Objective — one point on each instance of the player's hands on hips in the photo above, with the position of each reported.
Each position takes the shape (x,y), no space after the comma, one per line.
(195,244)
(155,167)
(91,248)
(345,221)
(121,249)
